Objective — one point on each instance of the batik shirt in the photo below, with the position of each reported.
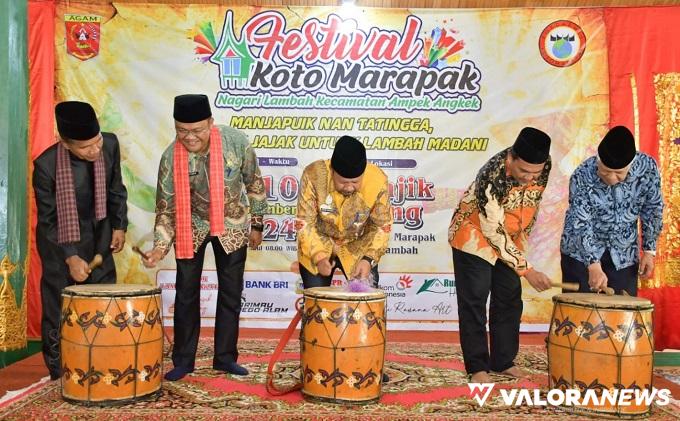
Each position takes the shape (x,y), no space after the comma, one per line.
(242,207)
(602,217)
(496,214)
(329,223)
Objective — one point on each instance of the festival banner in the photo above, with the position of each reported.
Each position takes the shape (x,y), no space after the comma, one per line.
(432,94)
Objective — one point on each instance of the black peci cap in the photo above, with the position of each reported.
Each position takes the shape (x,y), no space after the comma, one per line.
(349,157)
(532,146)
(617,148)
(191,108)
(76,120)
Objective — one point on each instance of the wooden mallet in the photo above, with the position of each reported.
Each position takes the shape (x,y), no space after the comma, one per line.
(573,286)
(606,290)
(96,262)
(139,251)
(567,286)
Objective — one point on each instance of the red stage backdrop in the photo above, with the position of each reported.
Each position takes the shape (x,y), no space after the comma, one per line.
(644,83)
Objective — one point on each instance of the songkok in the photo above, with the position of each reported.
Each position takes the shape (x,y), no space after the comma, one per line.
(349,157)
(617,148)
(76,120)
(532,146)
(191,108)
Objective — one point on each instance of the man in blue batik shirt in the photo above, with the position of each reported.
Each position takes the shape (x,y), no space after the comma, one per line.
(608,193)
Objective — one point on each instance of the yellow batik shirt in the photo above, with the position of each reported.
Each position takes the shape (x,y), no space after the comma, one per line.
(329,223)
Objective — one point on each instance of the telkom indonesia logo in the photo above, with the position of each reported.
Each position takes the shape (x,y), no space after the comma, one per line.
(404,282)
(481,391)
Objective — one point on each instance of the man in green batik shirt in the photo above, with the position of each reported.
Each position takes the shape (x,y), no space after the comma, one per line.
(209,191)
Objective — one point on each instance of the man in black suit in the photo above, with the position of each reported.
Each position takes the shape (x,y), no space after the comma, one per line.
(82,211)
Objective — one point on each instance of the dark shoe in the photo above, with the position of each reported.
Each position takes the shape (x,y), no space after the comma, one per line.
(232,368)
(177,373)
(385,378)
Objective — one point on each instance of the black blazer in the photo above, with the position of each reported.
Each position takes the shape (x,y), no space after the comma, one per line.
(95,237)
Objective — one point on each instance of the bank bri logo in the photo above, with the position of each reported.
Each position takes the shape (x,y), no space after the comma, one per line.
(333,63)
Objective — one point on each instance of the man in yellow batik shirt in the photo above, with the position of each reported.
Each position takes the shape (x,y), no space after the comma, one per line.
(344,216)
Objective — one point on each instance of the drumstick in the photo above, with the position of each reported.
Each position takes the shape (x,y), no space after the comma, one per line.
(569,286)
(574,286)
(139,251)
(96,262)
(606,290)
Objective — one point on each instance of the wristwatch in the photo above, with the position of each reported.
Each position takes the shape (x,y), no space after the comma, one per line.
(370,261)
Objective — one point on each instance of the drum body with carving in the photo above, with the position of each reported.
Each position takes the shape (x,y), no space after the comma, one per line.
(111,343)
(601,343)
(342,345)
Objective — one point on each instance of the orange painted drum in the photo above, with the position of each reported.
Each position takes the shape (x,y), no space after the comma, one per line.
(342,345)
(111,343)
(602,343)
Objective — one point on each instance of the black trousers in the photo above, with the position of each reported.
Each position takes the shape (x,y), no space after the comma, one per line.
(56,277)
(187,315)
(475,279)
(622,279)
(310,280)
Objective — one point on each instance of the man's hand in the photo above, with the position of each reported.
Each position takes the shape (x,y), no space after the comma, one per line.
(117,240)
(646,265)
(596,277)
(78,268)
(361,270)
(152,258)
(254,239)
(538,280)
(325,266)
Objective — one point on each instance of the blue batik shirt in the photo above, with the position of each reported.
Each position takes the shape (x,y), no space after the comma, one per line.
(602,217)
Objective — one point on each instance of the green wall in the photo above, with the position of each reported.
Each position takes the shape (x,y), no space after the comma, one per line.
(14,146)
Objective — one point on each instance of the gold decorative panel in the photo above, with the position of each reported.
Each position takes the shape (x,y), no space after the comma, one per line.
(667,95)
(12,317)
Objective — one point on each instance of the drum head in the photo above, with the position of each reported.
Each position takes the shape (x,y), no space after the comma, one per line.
(338,293)
(603,301)
(110,290)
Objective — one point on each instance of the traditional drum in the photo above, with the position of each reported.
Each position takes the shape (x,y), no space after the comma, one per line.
(111,343)
(600,343)
(342,345)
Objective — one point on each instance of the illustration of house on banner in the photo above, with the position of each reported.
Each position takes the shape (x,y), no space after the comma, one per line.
(232,56)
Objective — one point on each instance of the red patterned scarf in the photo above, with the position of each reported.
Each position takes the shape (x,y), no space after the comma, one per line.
(68,226)
(184,244)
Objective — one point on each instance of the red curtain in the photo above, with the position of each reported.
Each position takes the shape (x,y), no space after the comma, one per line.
(40,130)
(641,43)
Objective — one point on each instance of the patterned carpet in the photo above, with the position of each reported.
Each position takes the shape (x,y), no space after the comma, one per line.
(427,382)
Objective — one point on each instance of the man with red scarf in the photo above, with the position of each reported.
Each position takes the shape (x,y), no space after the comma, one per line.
(82,211)
(199,201)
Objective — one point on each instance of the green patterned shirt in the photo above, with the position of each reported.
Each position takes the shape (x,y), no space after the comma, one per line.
(244,194)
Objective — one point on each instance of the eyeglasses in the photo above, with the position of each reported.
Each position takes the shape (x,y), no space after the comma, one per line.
(183,133)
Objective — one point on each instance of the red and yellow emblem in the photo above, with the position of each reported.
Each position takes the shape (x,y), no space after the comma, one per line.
(83,35)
